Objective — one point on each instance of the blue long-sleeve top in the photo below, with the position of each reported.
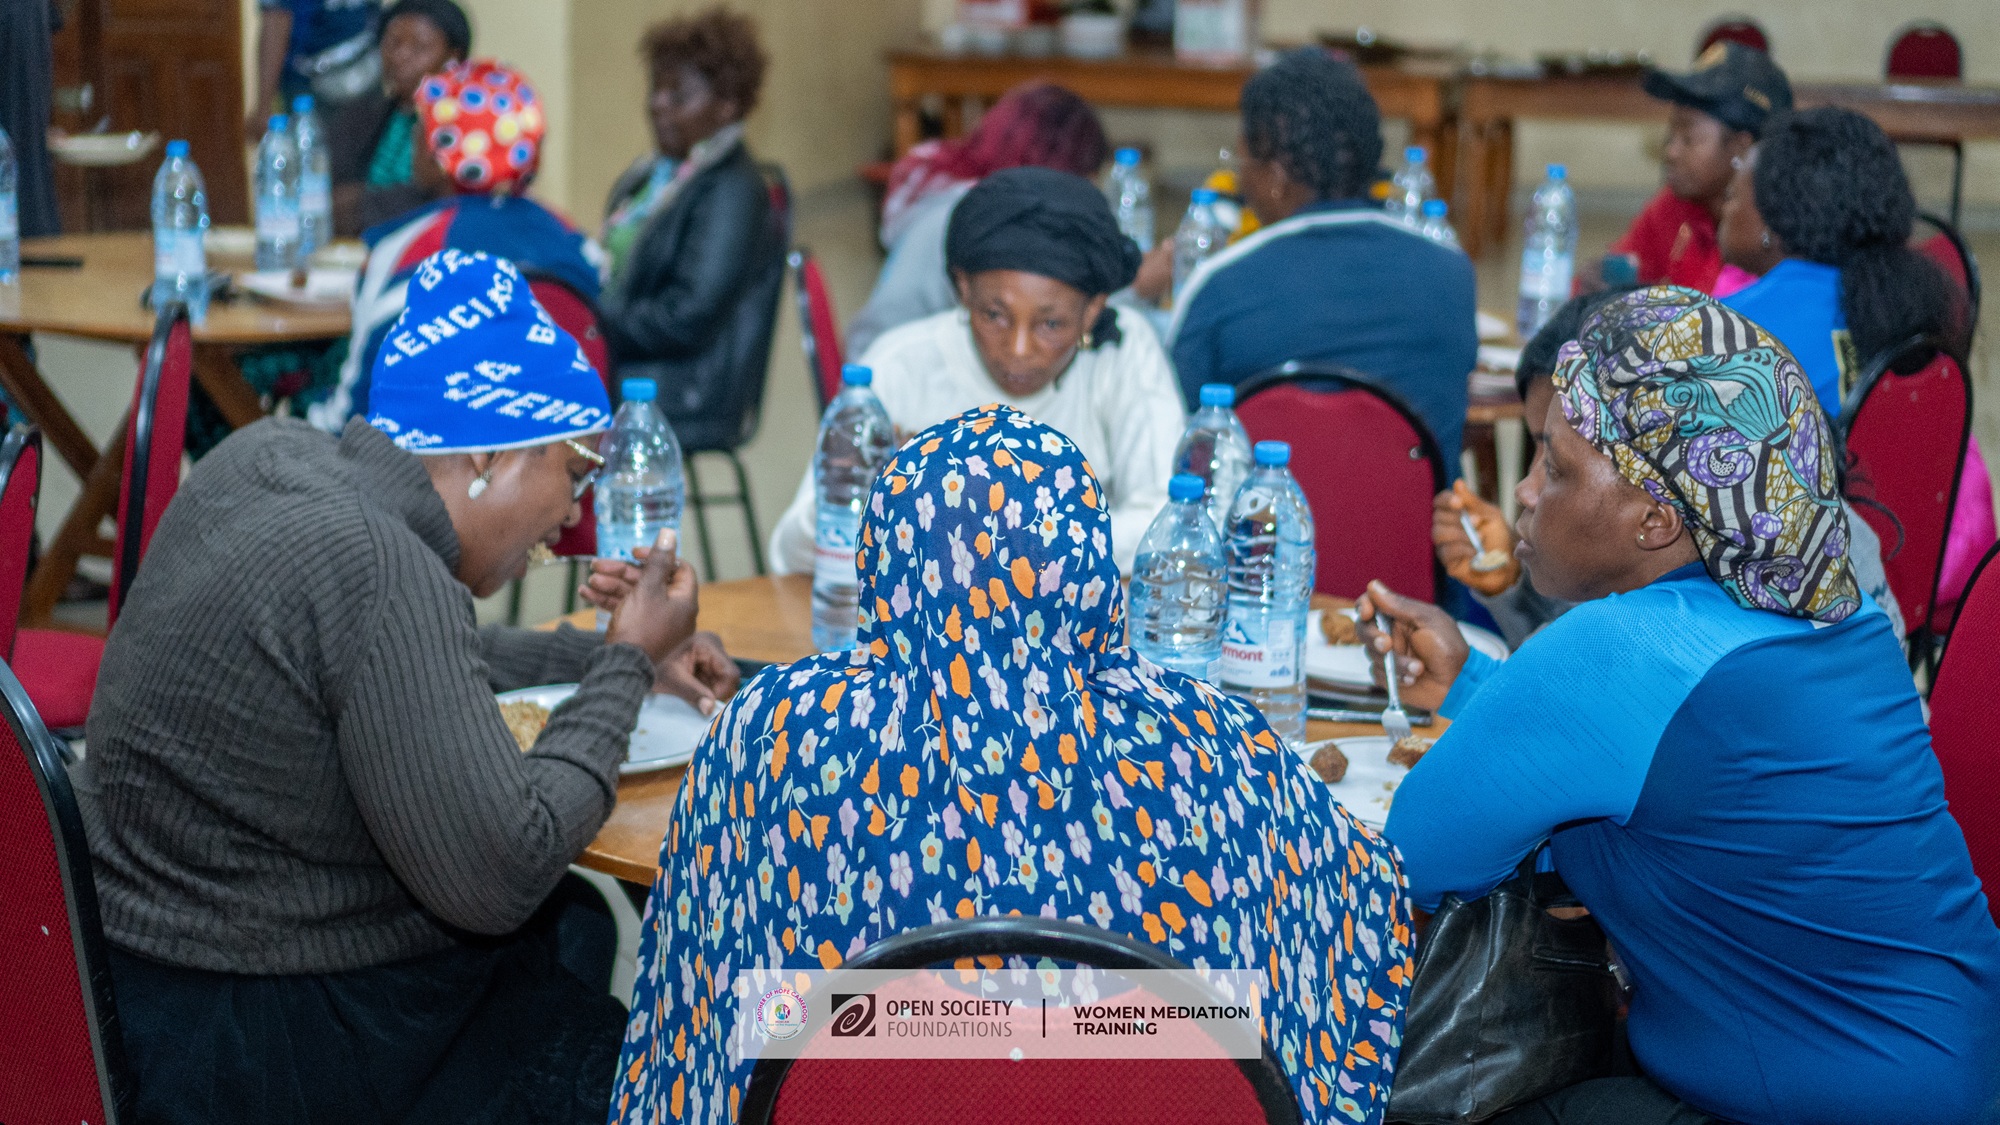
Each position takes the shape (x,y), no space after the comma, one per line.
(1339,282)
(1748,804)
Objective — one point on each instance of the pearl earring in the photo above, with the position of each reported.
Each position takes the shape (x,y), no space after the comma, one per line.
(478,486)
(1767,240)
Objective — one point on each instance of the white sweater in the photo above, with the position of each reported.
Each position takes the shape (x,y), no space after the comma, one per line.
(1119,403)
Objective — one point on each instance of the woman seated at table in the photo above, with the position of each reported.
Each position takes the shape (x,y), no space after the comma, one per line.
(1035,255)
(371,140)
(1722,745)
(1505,589)
(480,136)
(1038,124)
(320,854)
(1018,621)
(689,231)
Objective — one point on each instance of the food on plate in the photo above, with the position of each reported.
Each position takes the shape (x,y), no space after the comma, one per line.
(1336,626)
(1330,764)
(1409,751)
(525,720)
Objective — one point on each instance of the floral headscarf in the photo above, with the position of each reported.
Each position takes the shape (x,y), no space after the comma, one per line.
(484,125)
(1708,412)
(992,747)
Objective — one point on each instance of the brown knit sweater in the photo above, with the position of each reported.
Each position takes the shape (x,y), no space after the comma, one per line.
(295,763)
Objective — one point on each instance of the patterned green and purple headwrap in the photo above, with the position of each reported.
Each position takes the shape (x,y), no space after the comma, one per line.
(1706,411)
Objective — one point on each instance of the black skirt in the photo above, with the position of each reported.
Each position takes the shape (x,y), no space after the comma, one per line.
(487,1031)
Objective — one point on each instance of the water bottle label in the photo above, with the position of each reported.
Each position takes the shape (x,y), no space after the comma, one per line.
(1263,652)
(178,254)
(1545,277)
(278,220)
(315,193)
(10,219)
(833,546)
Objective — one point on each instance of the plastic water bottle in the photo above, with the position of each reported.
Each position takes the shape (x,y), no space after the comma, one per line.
(855,441)
(315,177)
(1200,236)
(1435,227)
(1131,198)
(1216,450)
(277,197)
(10,216)
(1548,257)
(1410,187)
(180,219)
(1177,585)
(1271,564)
(640,491)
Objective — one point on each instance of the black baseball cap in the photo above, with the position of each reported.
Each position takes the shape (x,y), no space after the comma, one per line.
(1737,85)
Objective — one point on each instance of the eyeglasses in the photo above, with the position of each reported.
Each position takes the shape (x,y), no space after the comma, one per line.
(583,484)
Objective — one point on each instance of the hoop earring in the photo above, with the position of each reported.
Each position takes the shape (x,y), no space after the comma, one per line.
(1767,240)
(477,488)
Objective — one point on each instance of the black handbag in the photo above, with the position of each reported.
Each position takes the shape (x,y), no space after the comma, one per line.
(1510,1003)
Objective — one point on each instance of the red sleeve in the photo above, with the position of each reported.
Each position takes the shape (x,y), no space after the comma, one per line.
(1651,236)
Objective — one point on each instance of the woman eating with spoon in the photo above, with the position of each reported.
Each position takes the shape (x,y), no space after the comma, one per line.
(321,857)
(1720,742)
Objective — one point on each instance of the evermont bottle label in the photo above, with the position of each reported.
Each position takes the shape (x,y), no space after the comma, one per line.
(179,253)
(278,219)
(839,530)
(10,218)
(1545,276)
(1260,652)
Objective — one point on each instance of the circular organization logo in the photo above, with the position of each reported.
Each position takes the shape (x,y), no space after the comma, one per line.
(781,1012)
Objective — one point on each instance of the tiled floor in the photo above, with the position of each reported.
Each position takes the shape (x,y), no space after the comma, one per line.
(838,224)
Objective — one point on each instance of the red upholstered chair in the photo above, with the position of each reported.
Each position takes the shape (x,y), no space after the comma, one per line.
(1925,50)
(20,480)
(1905,438)
(575,314)
(59,1035)
(824,1091)
(1947,247)
(819,332)
(1965,732)
(59,667)
(1734,29)
(1369,468)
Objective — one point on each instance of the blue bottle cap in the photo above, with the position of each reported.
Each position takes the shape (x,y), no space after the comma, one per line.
(279,123)
(1434,208)
(177,149)
(855,375)
(1558,172)
(638,390)
(1273,453)
(303,104)
(1218,394)
(1203,196)
(1184,487)
(1125,157)
(1415,154)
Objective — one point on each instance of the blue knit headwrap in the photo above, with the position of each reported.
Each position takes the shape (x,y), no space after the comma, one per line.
(473,365)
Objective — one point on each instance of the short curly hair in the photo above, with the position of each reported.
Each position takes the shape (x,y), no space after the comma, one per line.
(1311,113)
(719,44)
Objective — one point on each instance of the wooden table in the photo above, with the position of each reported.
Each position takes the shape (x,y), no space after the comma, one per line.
(1418,91)
(1488,106)
(100,301)
(767,619)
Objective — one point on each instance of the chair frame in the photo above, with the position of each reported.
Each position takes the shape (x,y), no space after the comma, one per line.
(15,443)
(809,339)
(1956,147)
(132,505)
(1054,938)
(72,849)
(1922,639)
(1949,229)
(1296,371)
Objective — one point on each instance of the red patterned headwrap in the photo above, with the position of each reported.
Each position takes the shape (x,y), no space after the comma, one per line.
(484,124)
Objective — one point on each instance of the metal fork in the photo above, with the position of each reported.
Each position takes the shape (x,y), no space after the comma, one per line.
(1395,720)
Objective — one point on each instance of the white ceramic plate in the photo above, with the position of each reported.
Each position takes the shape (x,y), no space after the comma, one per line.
(669,727)
(231,241)
(102,150)
(323,286)
(1370,784)
(1347,665)
(343,255)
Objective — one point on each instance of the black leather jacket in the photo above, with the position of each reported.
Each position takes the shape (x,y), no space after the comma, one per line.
(694,307)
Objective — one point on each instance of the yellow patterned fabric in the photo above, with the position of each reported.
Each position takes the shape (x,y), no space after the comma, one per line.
(993,748)
(1709,413)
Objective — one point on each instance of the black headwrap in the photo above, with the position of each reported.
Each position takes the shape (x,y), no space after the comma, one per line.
(1041,221)
(447,16)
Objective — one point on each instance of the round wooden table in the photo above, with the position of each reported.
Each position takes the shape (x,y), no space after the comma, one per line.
(767,619)
(89,286)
